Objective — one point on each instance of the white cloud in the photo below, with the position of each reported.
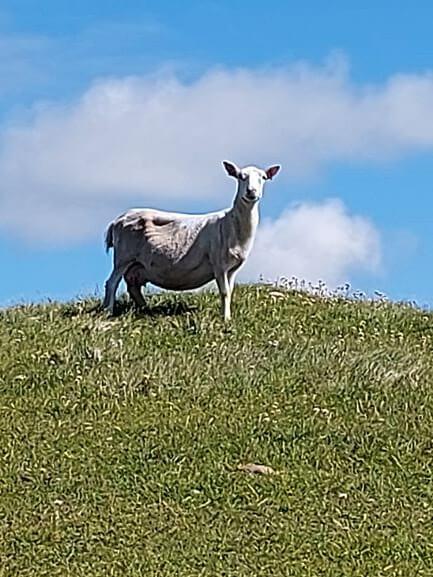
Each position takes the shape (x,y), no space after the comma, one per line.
(158,141)
(317,241)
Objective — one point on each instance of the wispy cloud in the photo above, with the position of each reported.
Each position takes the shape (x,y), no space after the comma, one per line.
(21,66)
(33,66)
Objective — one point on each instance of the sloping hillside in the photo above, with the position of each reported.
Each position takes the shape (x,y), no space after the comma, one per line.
(121,438)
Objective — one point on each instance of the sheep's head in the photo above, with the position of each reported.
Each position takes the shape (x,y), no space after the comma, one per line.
(251,180)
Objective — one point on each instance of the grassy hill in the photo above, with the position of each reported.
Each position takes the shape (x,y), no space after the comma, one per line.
(121,438)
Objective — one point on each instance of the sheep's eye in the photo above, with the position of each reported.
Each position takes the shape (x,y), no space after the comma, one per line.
(242,176)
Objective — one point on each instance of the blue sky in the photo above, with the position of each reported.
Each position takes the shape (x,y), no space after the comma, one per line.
(107,105)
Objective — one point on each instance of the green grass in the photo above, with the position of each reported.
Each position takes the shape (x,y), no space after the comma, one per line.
(121,438)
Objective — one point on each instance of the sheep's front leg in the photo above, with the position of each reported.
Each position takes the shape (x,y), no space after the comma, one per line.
(231,275)
(225,293)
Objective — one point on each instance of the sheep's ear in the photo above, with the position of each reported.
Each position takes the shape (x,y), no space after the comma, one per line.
(272,171)
(231,168)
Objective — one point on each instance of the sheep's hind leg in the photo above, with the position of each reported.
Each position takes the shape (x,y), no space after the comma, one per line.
(134,291)
(111,288)
(135,278)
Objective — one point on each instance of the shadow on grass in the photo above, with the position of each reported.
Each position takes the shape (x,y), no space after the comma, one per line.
(166,308)
(163,308)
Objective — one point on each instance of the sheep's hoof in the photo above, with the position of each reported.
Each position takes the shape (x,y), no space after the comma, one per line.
(107,311)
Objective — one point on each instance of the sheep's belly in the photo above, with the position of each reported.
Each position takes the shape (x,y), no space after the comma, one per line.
(177,277)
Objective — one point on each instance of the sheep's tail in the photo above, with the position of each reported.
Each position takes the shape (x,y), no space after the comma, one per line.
(109,237)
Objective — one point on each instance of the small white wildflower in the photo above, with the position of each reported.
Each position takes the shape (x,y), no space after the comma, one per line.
(276,294)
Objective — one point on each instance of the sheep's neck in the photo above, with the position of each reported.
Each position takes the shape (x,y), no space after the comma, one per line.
(245,217)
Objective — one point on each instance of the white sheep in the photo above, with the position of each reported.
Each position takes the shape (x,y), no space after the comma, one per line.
(185,251)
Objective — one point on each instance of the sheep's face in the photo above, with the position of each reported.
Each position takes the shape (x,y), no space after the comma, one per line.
(251,180)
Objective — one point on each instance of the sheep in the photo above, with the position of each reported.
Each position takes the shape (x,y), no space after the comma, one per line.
(180,251)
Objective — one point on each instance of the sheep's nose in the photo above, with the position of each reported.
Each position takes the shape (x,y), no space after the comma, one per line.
(251,190)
